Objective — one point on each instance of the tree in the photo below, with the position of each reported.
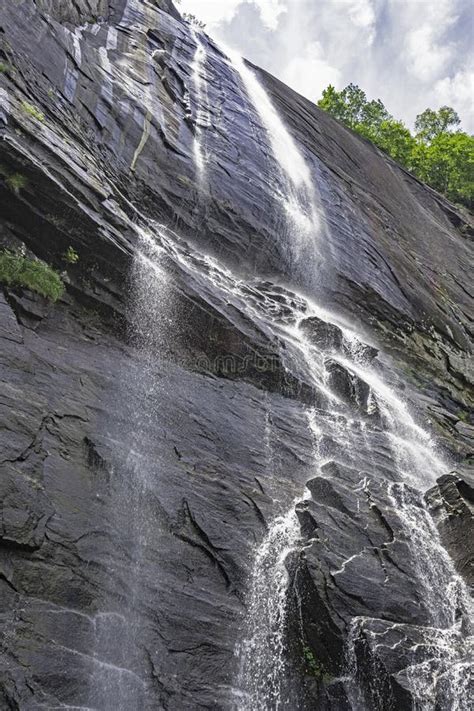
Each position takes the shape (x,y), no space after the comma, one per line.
(355,101)
(395,139)
(332,101)
(438,154)
(431,124)
(447,165)
(352,108)
(370,119)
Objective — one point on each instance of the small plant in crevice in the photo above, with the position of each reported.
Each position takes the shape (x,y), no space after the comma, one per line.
(32,111)
(313,666)
(70,255)
(5,67)
(17,270)
(56,220)
(193,20)
(16,182)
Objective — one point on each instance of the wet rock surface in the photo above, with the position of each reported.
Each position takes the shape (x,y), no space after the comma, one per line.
(452,505)
(153,422)
(365,597)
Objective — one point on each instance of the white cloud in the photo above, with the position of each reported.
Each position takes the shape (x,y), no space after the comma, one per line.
(270,11)
(310,73)
(213,12)
(427,58)
(410,53)
(356,19)
(458,91)
(428,52)
(362,12)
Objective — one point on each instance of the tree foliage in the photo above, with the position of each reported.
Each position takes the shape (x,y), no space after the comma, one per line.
(438,153)
(430,124)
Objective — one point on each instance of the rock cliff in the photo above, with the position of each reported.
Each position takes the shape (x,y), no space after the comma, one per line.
(158,417)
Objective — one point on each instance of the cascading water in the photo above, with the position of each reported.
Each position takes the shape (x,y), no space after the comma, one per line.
(298,195)
(442,675)
(202,114)
(117,683)
(201,506)
(438,678)
(263,671)
(262,681)
(442,678)
(262,653)
(283,145)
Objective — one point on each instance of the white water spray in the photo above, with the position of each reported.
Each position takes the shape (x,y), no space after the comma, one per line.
(262,654)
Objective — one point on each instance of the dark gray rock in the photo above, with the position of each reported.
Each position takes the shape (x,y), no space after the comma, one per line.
(153,424)
(348,386)
(451,502)
(326,336)
(363,608)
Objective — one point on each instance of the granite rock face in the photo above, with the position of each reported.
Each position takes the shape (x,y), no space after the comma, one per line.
(451,503)
(154,420)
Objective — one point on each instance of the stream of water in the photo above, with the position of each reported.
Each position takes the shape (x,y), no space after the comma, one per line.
(201,111)
(299,195)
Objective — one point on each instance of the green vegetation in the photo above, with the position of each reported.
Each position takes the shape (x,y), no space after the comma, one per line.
(16,181)
(313,666)
(4,67)
(70,255)
(32,111)
(438,153)
(193,20)
(17,270)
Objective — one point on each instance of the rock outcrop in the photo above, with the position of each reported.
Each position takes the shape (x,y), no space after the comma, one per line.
(154,420)
(452,505)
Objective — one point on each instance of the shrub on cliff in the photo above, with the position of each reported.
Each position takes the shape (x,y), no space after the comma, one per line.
(16,270)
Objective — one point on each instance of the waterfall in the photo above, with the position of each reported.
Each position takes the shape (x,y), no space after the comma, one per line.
(283,145)
(440,678)
(263,650)
(202,114)
(262,681)
(119,682)
(298,196)
(443,679)
(264,674)
(262,670)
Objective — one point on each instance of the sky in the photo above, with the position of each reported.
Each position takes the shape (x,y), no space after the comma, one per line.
(412,54)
